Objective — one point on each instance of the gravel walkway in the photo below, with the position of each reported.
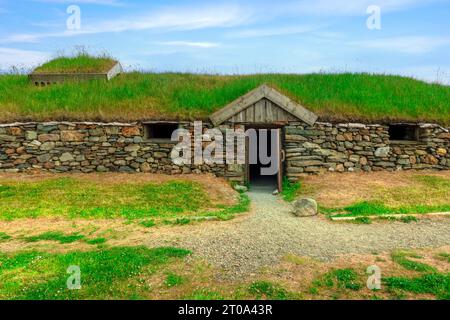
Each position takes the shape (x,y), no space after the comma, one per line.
(243,245)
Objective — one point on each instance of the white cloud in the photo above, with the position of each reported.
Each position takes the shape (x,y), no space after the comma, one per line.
(21,58)
(36,37)
(169,19)
(96,2)
(189,18)
(267,32)
(191,44)
(407,44)
(349,8)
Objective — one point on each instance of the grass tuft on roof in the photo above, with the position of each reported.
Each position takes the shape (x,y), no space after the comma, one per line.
(180,96)
(81,62)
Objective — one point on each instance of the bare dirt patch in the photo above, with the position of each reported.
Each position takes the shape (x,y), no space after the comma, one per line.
(296,274)
(117,232)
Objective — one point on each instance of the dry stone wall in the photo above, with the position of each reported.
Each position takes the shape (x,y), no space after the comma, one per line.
(354,147)
(93,147)
(118,147)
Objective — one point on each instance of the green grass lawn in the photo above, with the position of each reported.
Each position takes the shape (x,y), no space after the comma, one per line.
(137,96)
(77,198)
(104,274)
(80,63)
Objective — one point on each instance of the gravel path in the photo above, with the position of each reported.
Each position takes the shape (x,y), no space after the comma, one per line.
(243,245)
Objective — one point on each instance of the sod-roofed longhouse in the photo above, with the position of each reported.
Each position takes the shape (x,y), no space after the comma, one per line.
(306,142)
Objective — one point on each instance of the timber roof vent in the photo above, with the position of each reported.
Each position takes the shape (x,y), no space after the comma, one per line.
(263,105)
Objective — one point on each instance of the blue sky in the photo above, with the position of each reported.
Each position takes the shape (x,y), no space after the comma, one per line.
(236,36)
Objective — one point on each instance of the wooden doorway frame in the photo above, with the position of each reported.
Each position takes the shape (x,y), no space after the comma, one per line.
(281,152)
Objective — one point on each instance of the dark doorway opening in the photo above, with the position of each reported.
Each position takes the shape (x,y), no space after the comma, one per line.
(255,177)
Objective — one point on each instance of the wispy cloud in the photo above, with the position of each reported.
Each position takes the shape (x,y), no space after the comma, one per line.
(267,32)
(407,44)
(169,19)
(191,44)
(189,18)
(36,37)
(349,8)
(15,57)
(94,2)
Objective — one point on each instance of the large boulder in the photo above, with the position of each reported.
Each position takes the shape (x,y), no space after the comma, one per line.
(305,207)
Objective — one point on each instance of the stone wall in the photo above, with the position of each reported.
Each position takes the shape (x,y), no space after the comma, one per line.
(93,147)
(117,147)
(356,147)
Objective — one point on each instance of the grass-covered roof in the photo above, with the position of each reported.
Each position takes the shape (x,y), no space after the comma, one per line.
(169,96)
(79,63)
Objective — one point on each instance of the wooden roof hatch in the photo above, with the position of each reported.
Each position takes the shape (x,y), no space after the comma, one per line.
(263,105)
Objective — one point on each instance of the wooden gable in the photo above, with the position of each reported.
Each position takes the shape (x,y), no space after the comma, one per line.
(263,111)
(263,105)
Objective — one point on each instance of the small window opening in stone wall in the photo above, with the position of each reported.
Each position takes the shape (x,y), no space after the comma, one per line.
(403,132)
(160,130)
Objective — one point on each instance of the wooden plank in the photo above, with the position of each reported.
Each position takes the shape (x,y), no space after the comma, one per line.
(236,106)
(247,161)
(269,111)
(292,107)
(280,161)
(261,110)
(281,114)
(239,117)
(394,215)
(250,115)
